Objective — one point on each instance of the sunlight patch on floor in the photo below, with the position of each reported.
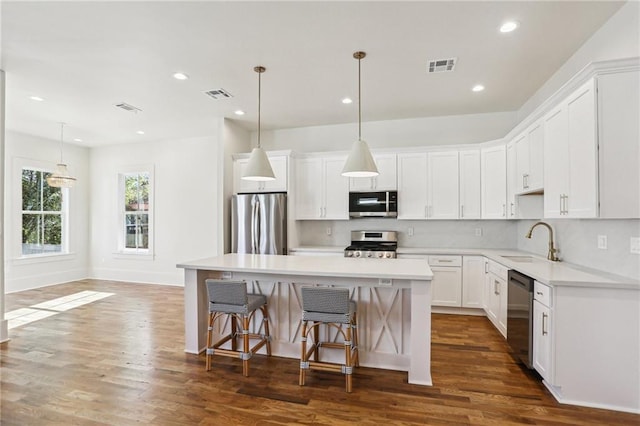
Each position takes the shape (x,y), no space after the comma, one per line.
(23,316)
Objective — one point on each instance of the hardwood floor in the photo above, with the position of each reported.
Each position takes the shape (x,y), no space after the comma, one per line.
(120,361)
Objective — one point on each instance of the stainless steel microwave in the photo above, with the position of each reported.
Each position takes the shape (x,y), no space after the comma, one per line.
(373,204)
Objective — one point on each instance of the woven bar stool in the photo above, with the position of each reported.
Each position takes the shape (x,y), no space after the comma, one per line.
(330,306)
(231,298)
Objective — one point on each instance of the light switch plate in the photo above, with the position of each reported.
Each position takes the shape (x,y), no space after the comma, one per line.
(478,232)
(602,242)
(410,231)
(635,245)
(328,230)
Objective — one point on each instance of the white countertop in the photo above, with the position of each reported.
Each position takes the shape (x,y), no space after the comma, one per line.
(541,269)
(403,269)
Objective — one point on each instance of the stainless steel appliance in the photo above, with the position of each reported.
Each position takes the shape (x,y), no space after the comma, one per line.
(520,316)
(372,244)
(259,223)
(373,204)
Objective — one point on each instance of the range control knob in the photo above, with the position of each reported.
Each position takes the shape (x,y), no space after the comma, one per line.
(380,254)
(357,254)
(348,254)
(387,255)
(369,254)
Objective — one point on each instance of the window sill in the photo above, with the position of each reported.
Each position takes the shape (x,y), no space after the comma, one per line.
(43,258)
(132,255)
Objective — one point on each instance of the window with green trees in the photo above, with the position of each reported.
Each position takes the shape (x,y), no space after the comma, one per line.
(136,214)
(42,214)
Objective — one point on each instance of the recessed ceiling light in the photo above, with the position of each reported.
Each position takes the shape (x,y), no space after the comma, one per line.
(180,76)
(509,26)
(77,140)
(140,132)
(239,112)
(478,88)
(36,98)
(347,101)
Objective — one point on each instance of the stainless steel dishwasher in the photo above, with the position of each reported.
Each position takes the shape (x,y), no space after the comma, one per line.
(520,317)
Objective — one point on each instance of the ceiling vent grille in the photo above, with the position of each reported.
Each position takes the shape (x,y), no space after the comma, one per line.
(441,65)
(125,106)
(218,94)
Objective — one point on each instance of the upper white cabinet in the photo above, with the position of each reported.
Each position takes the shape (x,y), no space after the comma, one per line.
(529,146)
(494,182)
(412,186)
(470,206)
(385,181)
(619,142)
(428,185)
(322,193)
(279,164)
(571,166)
(442,185)
(512,177)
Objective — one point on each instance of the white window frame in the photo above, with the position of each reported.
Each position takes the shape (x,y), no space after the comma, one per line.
(122,250)
(25,163)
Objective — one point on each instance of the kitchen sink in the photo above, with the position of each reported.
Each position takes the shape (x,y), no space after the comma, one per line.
(523,259)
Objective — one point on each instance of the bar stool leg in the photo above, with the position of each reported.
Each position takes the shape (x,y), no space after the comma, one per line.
(265,319)
(234,332)
(354,326)
(245,345)
(347,353)
(209,342)
(303,356)
(316,342)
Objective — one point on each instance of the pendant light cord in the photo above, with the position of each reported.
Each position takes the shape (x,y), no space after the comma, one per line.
(259,93)
(359,103)
(61,141)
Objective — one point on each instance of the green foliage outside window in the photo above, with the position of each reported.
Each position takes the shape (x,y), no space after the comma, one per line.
(41,214)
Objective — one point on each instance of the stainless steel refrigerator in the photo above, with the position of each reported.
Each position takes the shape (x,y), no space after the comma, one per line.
(259,223)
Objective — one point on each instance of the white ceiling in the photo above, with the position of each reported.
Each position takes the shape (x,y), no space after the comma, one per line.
(84,57)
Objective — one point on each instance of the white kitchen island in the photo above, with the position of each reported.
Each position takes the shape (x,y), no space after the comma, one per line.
(393,296)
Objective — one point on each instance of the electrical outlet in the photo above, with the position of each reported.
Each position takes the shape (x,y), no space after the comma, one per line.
(635,245)
(328,230)
(478,232)
(410,231)
(602,242)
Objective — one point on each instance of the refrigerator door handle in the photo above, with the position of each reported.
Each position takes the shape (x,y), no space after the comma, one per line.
(255,238)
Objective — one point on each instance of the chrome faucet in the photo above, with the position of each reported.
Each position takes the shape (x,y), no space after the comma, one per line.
(552,250)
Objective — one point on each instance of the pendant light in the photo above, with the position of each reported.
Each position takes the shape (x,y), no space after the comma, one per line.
(259,167)
(360,163)
(61,178)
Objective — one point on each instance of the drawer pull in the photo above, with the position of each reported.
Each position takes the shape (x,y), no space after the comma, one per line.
(539,293)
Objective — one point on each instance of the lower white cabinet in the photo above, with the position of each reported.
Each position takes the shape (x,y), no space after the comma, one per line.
(495,296)
(542,332)
(446,286)
(472,281)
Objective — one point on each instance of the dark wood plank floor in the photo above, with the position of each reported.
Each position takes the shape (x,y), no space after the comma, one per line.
(120,361)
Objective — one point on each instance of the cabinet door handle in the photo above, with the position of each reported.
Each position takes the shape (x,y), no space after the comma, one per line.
(504,210)
(561,199)
(496,287)
(486,267)
(544,324)
(525,181)
(539,293)
(566,204)
(512,205)
(461,211)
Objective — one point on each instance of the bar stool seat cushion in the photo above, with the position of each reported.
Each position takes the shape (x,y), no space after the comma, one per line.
(338,317)
(254,301)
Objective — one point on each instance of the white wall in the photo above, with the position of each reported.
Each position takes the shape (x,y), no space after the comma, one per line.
(22,274)
(186,211)
(619,37)
(446,130)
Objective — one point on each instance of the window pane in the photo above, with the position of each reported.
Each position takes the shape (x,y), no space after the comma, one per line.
(137,231)
(31,189)
(52,232)
(51,197)
(144,192)
(131,193)
(31,233)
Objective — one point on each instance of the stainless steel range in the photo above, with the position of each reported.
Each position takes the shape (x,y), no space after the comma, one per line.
(373,244)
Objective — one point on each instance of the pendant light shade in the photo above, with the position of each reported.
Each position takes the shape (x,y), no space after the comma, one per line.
(360,162)
(61,178)
(259,167)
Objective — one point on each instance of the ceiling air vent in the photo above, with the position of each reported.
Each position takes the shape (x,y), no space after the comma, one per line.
(441,65)
(218,94)
(127,107)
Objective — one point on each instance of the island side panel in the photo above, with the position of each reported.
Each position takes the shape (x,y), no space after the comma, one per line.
(195,309)
(420,364)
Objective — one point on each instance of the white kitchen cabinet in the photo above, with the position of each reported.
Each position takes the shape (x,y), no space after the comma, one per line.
(496,295)
(529,147)
(571,163)
(542,332)
(470,206)
(494,182)
(512,200)
(322,193)
(442,185)
(428,185)
(446,286)
(472,281)
(412,186)
(385,181)
(279,164)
